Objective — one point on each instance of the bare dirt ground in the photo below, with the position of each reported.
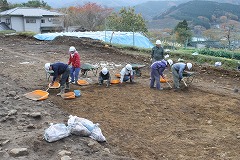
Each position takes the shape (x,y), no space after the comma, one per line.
(198,122)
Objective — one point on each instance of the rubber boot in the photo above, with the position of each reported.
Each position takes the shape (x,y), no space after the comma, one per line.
(61,92)
(108,84)
(100,83)
(67,87)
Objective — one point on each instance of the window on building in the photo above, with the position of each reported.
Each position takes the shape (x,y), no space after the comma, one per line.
(42,20)
(30,20)
(8,21)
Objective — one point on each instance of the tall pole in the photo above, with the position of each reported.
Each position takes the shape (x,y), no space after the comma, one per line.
(105,26)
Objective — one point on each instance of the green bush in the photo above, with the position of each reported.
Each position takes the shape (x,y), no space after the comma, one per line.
(205,59)
(26,34)
(220,53)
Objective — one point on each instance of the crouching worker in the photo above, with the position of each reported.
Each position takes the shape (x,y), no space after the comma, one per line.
(177,72)
(157,69)
(127,74)
(104,75)
(60,69)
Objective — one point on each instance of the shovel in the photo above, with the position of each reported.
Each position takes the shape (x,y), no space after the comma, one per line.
(169,84)
(47,89)
(184,83)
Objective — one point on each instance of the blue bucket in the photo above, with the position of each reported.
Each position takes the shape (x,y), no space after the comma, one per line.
(77,93)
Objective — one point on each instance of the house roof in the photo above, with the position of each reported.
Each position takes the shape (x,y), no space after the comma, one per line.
(29,12)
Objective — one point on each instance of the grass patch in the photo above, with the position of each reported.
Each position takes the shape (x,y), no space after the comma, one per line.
(26,34)
(7,32)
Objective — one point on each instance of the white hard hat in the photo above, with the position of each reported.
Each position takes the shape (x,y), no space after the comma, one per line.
(47,66)
(104,70)
(166,56)
(129,67)
(158,42)
(189,66)
(71,49)
(170,62)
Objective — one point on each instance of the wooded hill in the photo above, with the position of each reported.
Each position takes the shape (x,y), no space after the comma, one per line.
(203,13)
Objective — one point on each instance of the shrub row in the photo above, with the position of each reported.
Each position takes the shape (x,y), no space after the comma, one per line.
(231,64)
(220,53)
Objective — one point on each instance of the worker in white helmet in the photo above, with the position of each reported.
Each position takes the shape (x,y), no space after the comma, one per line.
(74,59)
(157,52)
(60,69)
(104,75)
(157,69)
(127,74)
(177,72)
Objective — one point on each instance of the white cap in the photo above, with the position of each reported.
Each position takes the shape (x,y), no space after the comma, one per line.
(170,62)
(71,49)
(158,42)
(104,70)
(189,66)
(47,66)
(129,67)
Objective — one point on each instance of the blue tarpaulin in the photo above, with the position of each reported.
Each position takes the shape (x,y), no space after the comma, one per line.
(123,38)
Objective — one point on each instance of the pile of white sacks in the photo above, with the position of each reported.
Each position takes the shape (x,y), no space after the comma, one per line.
(76,126)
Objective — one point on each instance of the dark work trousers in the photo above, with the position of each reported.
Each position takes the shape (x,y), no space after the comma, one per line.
(65,77)
(155,76)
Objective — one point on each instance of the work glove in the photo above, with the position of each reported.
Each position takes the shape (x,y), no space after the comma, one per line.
(51,84)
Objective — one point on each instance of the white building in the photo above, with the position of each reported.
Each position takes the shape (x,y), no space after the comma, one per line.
(37,20)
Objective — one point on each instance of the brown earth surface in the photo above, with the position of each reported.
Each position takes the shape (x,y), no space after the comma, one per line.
(200,121)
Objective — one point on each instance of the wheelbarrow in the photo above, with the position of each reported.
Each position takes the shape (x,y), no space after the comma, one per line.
(137,68)
(88,67)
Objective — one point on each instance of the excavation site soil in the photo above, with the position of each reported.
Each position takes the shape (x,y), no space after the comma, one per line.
(201,121)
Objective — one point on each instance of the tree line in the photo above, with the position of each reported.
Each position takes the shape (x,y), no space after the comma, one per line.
(94,17)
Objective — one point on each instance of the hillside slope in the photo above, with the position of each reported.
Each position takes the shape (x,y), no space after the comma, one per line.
(202,13)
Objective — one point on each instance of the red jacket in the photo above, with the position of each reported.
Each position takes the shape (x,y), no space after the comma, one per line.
(75,60)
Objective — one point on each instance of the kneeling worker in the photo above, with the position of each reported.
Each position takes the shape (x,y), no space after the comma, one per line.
(60,69)
(104,75)
(127,74)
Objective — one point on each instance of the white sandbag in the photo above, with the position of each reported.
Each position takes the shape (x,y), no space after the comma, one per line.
(79,129)
(97,135)
(85,122)
(80,126)
(71,120)
(217,64)
(56,132)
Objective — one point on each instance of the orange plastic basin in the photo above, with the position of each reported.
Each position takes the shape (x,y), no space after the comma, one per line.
(163,80)
(55,85)
(118,75)
(37,95)
(115,81)
(82,82)
(68,95)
